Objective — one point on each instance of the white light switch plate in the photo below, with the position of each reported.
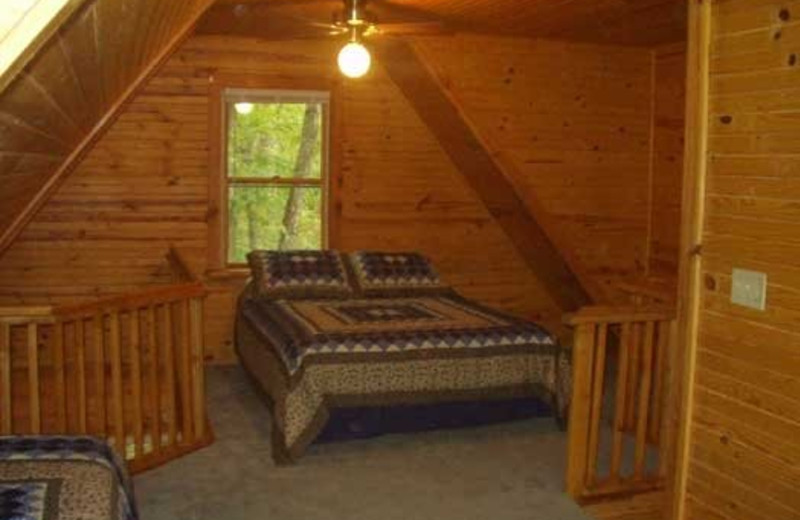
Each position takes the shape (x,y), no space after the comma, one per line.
(749,289)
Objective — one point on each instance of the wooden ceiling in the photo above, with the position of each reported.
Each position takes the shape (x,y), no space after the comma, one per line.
(78,79)
(71,89)
(623,22)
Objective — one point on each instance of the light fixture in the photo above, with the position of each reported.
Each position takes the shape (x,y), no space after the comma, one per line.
(354,59)
(243,108)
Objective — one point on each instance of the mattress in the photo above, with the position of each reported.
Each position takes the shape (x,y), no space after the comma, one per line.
(309,355)
(62,478)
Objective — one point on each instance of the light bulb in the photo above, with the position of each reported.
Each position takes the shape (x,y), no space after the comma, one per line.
(354,60)
(243,108)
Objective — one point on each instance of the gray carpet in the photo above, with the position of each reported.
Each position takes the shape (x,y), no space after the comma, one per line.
(511,471)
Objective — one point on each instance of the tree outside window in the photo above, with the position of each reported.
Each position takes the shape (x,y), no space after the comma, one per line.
(275,171)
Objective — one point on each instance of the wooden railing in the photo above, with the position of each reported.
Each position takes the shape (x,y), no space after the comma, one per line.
(128,368)
(617,442)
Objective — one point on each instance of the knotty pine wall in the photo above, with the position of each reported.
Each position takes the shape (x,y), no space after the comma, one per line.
(574,124)
(745,457)
(669,115)
(581,137)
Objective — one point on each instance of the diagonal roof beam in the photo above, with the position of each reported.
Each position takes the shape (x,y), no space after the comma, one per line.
(480,169)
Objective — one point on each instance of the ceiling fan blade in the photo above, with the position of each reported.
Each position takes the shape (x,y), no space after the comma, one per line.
(306,19)
(410,28)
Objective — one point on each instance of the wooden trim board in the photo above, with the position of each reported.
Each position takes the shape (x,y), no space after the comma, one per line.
(690,267)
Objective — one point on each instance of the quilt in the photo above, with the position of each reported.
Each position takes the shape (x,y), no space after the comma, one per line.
(309,355)
(62,478)
(327,330)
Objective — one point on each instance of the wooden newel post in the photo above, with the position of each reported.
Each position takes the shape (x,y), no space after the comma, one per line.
(579,417)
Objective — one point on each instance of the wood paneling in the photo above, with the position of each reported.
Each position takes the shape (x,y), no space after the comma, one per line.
(743,457)
(572,124)
(623,22)
(481,170)
(669,103)
(579,135)
(53,110)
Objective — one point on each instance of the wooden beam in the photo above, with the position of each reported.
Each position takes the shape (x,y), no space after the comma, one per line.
(480,169)
(683,357)
(54,180)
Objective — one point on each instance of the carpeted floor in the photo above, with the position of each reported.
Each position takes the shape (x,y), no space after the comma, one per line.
(507,472)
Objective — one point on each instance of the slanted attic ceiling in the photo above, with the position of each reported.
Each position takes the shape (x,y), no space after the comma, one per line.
(622,22)
(70,88)
(81,71)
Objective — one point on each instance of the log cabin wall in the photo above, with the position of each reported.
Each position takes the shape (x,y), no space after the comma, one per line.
(669,106)
(579,133)
(744,455)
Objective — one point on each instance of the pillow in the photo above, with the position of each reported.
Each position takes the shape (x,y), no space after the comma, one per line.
(311,273)
(377,271)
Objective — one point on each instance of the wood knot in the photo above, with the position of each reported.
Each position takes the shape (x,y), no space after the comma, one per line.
(784,15)
(726,119)
(710,283)
(792,60)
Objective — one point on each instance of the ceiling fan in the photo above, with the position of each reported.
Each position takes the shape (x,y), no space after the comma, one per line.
(354,59)
(355,17)
(358,20)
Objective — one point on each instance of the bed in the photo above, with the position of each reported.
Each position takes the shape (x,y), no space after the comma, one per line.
(60,478)
(319,330)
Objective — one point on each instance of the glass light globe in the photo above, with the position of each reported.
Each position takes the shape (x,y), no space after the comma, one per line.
(354,60)
(243,108)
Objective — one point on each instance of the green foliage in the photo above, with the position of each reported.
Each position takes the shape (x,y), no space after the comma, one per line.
(267,143)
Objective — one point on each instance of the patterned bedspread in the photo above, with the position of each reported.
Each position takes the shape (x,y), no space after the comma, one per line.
(323,328)
(62,478)
(309,355)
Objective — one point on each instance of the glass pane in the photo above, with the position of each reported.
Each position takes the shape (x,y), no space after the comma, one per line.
(275,140)
(273,217)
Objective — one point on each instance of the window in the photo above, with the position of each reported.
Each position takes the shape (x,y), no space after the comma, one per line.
(275,161)
(21,21)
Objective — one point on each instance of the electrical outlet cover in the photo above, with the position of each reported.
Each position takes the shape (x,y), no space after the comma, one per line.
(749,289)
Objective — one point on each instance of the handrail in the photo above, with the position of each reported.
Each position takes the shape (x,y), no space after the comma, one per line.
(128,368)
(600,314)
(20,311)
(135,300)
(633,343)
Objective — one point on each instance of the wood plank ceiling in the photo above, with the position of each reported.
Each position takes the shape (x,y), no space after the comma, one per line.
(624,22)
(56,106)
(65,97)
